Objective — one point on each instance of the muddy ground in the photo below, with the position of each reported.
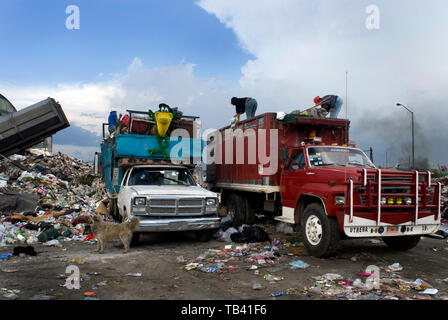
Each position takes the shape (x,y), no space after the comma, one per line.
(164,277)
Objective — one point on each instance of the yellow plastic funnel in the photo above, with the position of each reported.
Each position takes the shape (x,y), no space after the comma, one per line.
(163,120)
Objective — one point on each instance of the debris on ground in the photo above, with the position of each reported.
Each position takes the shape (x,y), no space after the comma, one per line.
(50,203)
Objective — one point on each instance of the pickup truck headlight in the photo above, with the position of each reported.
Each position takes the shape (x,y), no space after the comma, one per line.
(339,200)
(140,201)
(211,205)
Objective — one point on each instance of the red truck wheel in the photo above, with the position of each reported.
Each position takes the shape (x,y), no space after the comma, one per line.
(320,233)
(238,209)
(402,243)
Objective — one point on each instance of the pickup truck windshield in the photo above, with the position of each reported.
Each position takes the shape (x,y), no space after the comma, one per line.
(338,156)
(5,106)
(145,177)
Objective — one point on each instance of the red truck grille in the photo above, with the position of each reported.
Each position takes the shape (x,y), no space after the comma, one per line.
(386,192)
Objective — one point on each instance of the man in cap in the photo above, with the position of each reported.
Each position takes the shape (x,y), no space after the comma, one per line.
(331,103)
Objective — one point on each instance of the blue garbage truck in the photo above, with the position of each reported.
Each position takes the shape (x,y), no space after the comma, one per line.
(158,178)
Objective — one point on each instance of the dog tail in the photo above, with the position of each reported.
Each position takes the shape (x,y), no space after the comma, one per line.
(133,223)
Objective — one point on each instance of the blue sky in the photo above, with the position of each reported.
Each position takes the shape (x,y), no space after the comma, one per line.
(39,48)
(196,55)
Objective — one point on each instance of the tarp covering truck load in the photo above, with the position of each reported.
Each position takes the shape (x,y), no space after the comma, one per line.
(27,127)
(152,180)
(304,170)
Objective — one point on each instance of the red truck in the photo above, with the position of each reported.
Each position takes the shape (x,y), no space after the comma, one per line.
(304,170)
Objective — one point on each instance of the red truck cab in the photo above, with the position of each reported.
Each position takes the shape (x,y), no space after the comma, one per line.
(327,188)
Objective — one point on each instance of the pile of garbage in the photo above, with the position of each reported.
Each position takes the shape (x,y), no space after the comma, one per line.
(50,200)
(385,285)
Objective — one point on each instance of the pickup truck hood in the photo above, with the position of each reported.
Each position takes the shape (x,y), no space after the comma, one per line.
(173,190)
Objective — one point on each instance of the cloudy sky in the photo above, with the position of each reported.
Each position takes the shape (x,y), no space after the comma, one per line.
(196,55)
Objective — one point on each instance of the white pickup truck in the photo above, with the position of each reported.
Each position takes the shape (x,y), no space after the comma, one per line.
(167,198)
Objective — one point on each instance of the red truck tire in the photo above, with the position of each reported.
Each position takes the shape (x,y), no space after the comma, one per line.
(238,208)
(401,243)
(320,233)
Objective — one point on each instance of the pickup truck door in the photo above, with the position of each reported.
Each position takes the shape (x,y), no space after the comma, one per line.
(123,193)
(293,178)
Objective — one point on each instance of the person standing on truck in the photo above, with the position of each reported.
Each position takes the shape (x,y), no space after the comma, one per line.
(331,103)
(112,121)
(244,105)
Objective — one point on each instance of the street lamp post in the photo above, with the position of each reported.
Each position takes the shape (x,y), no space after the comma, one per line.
(412,117)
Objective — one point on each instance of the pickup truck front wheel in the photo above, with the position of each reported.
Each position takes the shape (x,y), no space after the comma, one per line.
(320,233)
(204,235)
(135,238)
(401,243)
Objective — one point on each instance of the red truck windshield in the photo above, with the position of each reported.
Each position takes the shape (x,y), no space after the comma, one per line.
(338,156)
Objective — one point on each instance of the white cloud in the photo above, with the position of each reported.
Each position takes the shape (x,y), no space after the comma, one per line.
(304,48)
(87,105)
(301,49)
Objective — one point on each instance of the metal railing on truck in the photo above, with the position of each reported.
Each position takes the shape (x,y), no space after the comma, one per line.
(373,181)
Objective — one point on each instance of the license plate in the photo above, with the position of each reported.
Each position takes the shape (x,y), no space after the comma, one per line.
(178,224)
(393,230)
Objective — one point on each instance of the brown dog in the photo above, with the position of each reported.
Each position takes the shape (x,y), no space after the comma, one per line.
(105,231)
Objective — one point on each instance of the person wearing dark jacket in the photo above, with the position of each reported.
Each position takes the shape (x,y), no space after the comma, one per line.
(244,105)
(331,103)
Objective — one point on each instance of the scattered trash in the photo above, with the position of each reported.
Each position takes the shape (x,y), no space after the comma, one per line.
(54,243)
(250,234)
(180,259)
(225,235)
(208,269)
(102,283)
(394,267)
(253,267)
(134,274)
(277,294)
(89,294)
(77,260)
(270,277)
(430,291)
(365,274)
(419,284)
(192,266)
(257,286)
(299,264)
(5,256)
(11,296)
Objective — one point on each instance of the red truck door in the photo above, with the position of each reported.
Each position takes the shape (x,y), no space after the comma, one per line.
(293,177)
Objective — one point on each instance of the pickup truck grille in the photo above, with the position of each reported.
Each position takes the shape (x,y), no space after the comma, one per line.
(176,207)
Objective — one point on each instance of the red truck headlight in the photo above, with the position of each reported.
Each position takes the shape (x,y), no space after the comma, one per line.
(339,200)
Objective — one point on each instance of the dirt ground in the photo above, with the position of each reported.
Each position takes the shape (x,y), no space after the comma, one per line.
(163,277)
